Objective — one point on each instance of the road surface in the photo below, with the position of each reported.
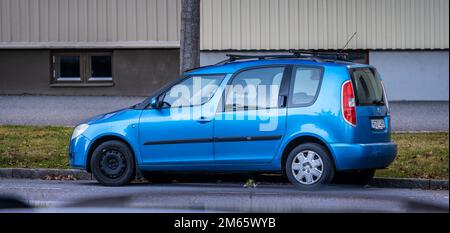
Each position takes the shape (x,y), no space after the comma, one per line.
(222,197)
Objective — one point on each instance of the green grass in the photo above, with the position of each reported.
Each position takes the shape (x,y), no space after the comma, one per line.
(34,147)
(420,155)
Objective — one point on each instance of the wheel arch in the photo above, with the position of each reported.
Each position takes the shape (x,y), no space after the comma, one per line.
(302,139)
(101,140)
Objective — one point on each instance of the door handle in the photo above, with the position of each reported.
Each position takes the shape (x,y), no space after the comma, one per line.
(203,119)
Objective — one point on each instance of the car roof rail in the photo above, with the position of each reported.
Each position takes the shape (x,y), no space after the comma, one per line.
(294,54)
(322,55)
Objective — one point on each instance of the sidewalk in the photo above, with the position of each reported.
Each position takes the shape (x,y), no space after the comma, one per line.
(58,110)
(71,110)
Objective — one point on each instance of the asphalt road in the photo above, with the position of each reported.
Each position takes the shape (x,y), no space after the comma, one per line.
(88,196)
(71,110)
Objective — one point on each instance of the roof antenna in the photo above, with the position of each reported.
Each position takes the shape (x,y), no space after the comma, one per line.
(348,41)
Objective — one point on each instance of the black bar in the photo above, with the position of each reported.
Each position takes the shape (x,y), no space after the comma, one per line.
(256,138)
(195,140)
(220,222)
(229,139)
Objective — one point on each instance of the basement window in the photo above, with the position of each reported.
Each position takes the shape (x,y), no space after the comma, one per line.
(69,68)
(81,69)
(100,68)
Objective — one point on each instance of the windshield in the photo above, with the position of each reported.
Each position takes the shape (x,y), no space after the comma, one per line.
(368,88)
(158,92)
(194,90)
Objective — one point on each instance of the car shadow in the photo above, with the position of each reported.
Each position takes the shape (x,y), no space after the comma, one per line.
(247,180)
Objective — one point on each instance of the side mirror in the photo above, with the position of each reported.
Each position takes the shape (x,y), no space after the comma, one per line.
(155,103)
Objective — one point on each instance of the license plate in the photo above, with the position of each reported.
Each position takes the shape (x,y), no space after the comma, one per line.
(378,124)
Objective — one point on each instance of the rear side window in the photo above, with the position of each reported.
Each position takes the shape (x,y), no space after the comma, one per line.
(305,85)
(368,88)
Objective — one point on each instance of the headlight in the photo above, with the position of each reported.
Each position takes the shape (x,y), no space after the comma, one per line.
(79,130)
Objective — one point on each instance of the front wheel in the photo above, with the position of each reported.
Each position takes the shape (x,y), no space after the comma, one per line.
(112,163)
(309,166)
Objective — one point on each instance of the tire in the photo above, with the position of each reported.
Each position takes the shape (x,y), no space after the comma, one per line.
(360,177)
(112,163)
(305,175)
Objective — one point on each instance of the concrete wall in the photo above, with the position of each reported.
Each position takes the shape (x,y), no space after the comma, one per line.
(413,75)
(135,73)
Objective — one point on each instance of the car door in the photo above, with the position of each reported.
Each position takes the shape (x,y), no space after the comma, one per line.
(250,126)
(178,132)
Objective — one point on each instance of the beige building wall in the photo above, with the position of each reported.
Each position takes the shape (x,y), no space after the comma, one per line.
(324,24)
(89,23)
(227,24)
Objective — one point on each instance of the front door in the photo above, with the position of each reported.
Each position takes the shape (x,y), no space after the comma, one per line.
(251,124)
(179,132)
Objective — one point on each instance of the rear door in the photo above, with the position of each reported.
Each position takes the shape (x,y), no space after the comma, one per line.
(372,110)
(252,122)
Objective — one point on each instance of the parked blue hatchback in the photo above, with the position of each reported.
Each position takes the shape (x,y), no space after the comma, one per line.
(310,116)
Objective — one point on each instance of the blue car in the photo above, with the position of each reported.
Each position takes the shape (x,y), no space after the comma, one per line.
(310,116)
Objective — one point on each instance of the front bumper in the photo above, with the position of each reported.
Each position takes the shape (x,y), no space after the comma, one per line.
(78,150)
(351,156)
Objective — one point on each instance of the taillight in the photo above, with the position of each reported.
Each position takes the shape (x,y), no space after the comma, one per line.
(348,103)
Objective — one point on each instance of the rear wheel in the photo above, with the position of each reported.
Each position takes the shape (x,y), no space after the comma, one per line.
(112,163)
(309,166)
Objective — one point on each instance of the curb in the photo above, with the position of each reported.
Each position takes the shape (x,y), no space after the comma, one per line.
(432,184)
(40,173)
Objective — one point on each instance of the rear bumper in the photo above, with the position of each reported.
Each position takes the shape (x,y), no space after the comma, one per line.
(350,156)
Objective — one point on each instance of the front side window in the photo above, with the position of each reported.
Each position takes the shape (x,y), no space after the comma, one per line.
(192,91)
(78,68)
(305,85)
(254,89)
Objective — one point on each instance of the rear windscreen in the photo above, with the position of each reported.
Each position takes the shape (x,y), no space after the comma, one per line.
(367,85)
